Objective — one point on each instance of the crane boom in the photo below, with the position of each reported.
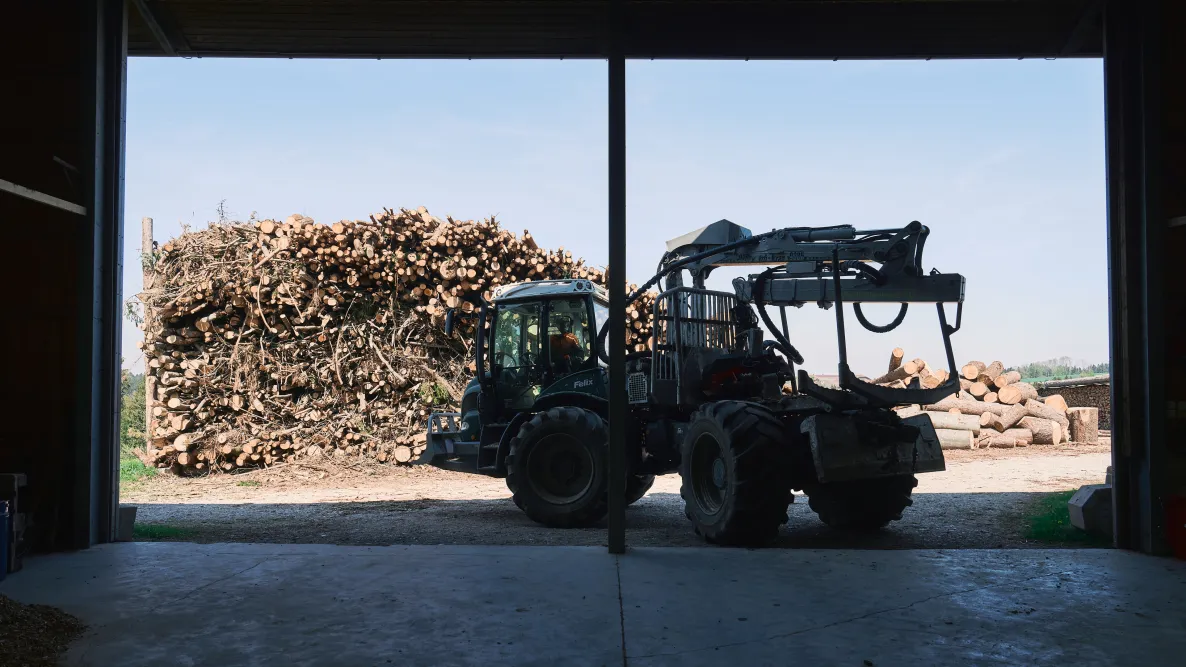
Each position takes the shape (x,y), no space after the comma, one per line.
(825,265)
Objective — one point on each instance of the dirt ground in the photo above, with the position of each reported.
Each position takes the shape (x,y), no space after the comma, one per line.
(980,501)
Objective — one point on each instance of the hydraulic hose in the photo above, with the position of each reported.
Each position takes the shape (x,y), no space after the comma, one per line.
(783,344)
(876,276)
(878,279)
(856,308)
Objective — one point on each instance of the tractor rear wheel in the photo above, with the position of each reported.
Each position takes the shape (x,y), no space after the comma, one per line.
(733,475)
(637,487)
(556,467)
(863,505)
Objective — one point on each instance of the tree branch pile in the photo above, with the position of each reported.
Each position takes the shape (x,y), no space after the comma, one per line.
(271,341)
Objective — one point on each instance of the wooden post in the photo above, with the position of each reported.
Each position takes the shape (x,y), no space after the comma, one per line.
(149,378)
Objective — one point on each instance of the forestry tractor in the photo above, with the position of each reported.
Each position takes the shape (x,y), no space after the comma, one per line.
(714,397)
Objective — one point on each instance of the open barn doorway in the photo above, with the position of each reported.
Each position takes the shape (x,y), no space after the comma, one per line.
(1003,160)
(304,257)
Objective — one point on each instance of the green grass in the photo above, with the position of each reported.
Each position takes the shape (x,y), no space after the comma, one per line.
(152,531)
(132,469)
(433,393)
(249,482)
(1050,522)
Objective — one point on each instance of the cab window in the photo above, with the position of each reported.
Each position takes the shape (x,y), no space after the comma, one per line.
(516,336)
(601,316)
(569,336)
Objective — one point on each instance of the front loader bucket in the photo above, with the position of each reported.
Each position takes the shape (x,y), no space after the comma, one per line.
(443,432)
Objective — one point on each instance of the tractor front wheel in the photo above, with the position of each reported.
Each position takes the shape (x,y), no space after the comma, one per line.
(556,467)
(733,473)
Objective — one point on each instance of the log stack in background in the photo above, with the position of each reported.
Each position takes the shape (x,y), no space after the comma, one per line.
(915,373)
(993,408)
(271,340)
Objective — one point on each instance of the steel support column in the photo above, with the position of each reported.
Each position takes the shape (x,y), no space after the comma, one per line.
(617,282)
(97,395)
(1136,228)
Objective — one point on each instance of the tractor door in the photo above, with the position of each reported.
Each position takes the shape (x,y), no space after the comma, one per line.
(515,362)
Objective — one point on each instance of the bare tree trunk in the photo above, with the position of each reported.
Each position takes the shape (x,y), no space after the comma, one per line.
(149,378)
(966,406)
(960,422)
(1084,424)
(1036,409)
(1045,431)
(954,438)
(1021,434)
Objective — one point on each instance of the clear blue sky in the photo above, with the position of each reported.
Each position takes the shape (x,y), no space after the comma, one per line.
(1004,160)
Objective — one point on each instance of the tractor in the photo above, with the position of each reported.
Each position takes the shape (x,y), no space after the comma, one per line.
(716,396)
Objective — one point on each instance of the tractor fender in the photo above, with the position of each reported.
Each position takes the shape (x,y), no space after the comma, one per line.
(504,442)
(576,399)
(564,398)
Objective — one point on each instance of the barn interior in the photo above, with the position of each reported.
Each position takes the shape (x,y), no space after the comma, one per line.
(61,188)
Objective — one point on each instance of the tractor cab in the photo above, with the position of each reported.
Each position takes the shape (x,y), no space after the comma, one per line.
(534,350)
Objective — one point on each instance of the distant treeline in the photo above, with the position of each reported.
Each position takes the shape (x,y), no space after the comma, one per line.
(130,382)
(131,413)
(1059,369)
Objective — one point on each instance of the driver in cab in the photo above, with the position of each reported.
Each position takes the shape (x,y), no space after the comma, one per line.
(565,348)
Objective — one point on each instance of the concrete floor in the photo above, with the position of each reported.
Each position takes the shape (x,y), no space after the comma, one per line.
(291,605)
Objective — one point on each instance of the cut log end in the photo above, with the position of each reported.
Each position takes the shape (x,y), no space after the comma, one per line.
(971,370)
(1056,401)
(1017,392)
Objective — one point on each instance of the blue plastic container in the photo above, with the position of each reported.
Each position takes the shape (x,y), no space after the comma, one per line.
(5,529)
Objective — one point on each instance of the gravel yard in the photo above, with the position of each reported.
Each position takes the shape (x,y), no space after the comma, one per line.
(981,501)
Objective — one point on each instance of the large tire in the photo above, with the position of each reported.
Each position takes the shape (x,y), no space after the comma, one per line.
(637,487)
(556,467)
(862,505)
(733,470)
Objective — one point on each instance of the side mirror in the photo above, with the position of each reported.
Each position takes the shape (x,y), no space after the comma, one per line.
(449,315)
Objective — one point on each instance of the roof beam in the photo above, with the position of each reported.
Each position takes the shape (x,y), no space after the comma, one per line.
(145,7)
(690,29)
(41,197)
(1090,23)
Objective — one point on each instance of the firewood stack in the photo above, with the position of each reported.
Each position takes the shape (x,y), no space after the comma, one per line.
(271,340)
(992,409)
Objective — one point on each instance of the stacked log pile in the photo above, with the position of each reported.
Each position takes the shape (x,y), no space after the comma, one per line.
(994,408)
(273,340)
(1094,392)
(915,373)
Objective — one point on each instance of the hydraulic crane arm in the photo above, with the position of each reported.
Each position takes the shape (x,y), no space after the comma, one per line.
(825,265)
(801,250)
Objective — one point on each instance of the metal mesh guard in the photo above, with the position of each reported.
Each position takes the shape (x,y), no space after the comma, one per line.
(443,422)
(636,387)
